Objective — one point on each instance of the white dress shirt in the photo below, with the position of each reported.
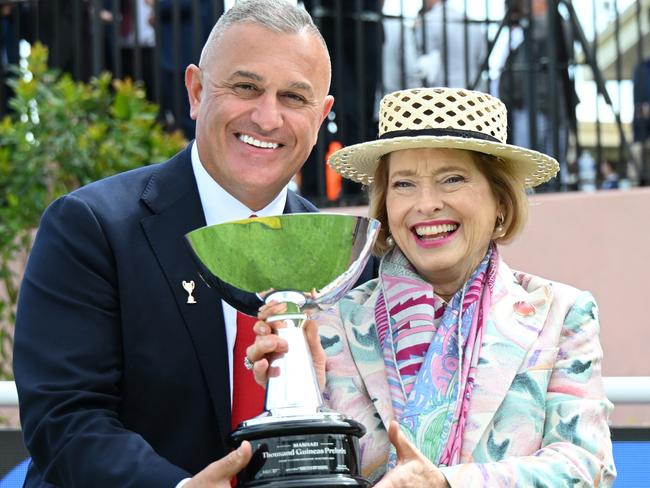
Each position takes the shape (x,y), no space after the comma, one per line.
(220,206)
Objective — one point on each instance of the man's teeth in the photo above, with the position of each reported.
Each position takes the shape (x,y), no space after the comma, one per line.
(254,142)
(432,230)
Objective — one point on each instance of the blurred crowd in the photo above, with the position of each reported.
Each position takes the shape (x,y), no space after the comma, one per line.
(372,54)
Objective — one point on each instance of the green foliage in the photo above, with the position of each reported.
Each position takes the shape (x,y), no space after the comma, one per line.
(62,134)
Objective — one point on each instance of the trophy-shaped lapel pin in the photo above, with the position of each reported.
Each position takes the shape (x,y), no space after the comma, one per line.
(310,260)
(188,286)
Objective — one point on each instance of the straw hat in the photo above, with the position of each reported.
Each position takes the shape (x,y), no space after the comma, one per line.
(442,118)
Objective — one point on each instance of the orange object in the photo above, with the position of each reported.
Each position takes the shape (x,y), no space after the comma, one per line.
(333,180)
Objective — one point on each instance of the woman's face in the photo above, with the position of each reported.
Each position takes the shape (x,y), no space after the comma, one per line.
(441,213)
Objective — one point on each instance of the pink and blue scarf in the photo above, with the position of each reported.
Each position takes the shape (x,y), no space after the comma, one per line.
(419,334)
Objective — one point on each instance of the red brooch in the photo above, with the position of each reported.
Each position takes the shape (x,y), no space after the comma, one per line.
(524,309)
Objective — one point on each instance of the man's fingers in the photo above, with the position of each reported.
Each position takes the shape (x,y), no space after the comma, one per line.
(261,372)
(238,458)
(274,372)
(265,293)
(271,308)
(261,328)
(265,346)
(262,353)
(227,467)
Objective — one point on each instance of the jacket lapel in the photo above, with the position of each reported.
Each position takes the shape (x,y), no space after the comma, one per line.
(297,204)
(174,200)
(367,355)
(515,320)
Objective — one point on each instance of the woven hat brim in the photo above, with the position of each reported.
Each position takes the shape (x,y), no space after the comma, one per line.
(359,161)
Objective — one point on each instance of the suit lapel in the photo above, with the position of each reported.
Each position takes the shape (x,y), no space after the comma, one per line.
(514,322)
(172,196)
(296,204)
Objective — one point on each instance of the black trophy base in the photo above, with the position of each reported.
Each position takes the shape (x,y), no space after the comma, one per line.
(301,452)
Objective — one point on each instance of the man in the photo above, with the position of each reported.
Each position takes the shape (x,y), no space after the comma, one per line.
(527,67)
(178,41)
(452,47)
(356,76)
(124,380)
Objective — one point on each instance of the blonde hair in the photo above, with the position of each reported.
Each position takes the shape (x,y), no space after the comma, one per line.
(377,206)
(507,187)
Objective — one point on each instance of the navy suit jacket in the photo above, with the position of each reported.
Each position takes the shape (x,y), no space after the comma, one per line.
(121,382)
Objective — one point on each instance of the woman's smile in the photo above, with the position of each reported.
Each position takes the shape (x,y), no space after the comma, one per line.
(435,233)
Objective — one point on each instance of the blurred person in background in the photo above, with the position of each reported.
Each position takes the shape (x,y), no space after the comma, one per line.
(9,51)
(463,371)
(517,70)
(180,44)
(399,55)
(135,32)
(57,24)
(639,173)
(609,176)
(452,47)
(356,71)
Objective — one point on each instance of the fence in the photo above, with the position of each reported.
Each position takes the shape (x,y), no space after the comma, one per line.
(619,389)
(631,445)
(565,78)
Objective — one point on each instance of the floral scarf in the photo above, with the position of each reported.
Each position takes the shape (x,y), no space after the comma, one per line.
(419,334)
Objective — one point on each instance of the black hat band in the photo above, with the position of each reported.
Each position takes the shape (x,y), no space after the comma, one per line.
(465,134)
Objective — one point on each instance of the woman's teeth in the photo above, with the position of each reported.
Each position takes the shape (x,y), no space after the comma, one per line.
(434,231)
(257,143)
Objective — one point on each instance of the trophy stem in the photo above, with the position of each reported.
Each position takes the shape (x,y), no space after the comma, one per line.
(295,391)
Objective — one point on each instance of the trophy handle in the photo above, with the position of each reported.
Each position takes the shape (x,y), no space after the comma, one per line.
(295,391)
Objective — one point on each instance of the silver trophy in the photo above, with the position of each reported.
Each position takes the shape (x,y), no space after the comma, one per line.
(308,261)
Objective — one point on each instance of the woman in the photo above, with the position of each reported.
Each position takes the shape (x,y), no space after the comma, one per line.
(464,372)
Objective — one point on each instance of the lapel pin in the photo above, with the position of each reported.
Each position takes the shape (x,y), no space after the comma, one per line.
(189,288)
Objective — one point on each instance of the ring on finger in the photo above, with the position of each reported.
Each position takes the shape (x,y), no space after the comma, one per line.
(248,364)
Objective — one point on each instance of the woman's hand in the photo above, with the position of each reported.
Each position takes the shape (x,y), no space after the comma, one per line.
(269,346)
(413,469)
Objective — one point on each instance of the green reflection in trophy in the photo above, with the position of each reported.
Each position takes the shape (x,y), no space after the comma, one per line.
(308,260)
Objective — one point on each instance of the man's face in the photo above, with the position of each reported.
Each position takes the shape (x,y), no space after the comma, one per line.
(259,102)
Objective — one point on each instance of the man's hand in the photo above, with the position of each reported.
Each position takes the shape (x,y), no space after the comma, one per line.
(413,469)
(219,473)
(269,346)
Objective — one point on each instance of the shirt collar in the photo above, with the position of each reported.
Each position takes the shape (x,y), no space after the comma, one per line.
(220,206)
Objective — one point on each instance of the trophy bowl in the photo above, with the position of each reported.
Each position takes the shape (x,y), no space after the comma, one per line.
(306,261)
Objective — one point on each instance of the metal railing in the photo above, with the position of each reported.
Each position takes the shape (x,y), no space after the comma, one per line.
(619,390)
(374,52)
(8,394)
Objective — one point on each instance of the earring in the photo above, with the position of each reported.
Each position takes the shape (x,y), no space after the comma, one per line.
(499,227)
(390,241)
